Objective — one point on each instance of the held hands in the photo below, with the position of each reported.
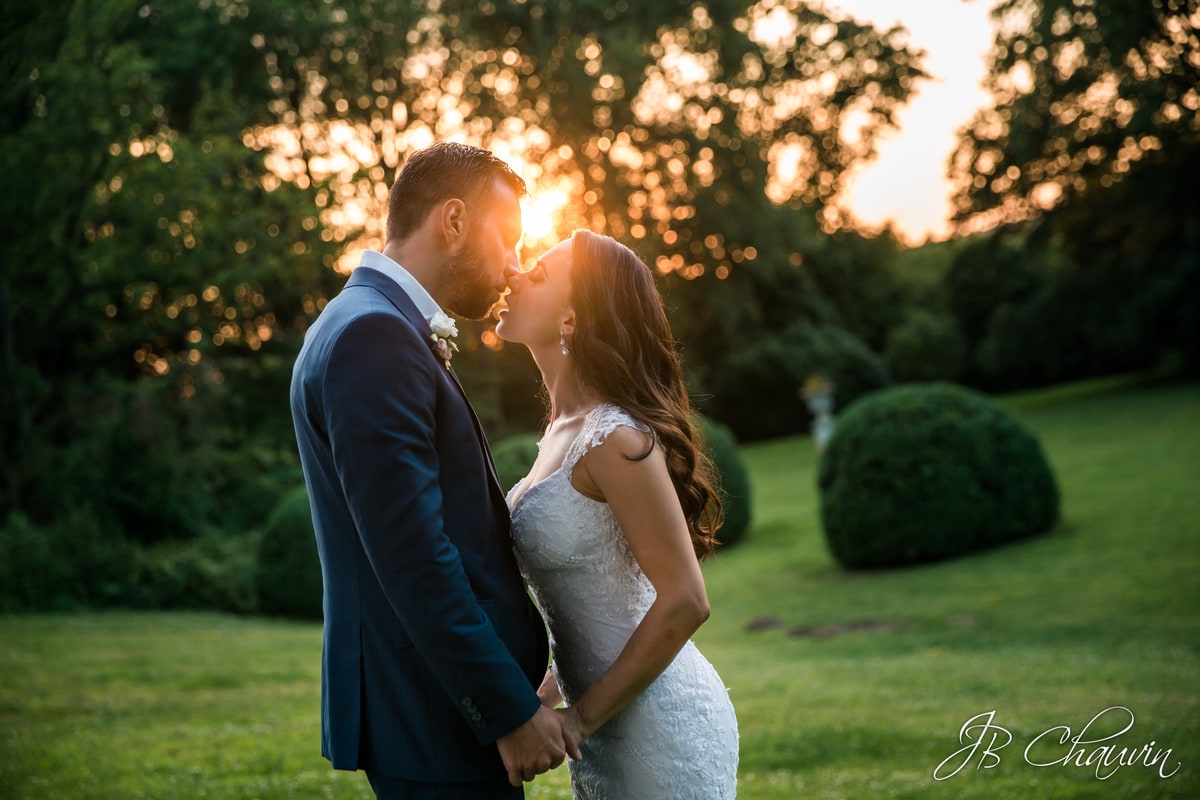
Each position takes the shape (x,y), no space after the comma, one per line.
(573,727)
(538,745)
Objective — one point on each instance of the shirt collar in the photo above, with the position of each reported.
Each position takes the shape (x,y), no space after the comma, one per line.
(415,291)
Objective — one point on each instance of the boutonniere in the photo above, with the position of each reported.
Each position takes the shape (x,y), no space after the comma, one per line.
(444,331)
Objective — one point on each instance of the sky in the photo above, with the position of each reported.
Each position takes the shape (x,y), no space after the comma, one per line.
(907,182)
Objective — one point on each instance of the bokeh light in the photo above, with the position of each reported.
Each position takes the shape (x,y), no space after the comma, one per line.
(542,211)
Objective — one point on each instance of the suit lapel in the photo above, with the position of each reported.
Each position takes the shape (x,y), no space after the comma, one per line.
(365,276)
(497,489)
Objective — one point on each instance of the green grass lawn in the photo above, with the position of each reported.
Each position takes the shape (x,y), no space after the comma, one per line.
(851,685)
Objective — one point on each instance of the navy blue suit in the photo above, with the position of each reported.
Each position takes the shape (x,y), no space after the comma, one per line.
(432,648)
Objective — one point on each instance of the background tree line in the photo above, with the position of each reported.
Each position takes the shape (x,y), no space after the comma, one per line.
(185,177)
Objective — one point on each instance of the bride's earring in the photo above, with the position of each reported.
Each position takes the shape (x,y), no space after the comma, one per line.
(562,341)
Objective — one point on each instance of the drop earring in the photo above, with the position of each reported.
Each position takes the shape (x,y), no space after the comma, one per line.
(562,341)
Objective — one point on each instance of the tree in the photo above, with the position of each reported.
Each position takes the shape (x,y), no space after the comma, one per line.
(1085,91)
(1086,161)
(152,268)
(713,137)
(192,176)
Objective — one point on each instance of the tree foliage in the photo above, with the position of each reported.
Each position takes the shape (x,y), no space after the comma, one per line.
(1084,90)
(713,137)
(1087,162)
(156,279)
(190,177)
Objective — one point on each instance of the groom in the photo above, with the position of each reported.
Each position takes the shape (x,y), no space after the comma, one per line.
(432,648)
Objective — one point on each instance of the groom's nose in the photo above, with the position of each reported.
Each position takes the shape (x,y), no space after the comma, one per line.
(512,270)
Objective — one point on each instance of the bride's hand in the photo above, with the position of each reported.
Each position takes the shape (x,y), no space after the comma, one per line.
(573,730)
(548,692)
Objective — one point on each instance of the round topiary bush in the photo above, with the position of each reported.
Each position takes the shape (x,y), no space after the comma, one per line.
(514,458)
(288,578)
(926,472)
(735,480)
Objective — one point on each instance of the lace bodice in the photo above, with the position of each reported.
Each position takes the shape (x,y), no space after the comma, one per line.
(678,739)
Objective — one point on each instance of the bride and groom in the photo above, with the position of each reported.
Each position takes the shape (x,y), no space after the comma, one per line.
(434,666)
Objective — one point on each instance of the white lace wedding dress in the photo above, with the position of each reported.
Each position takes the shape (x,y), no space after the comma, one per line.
(678,740)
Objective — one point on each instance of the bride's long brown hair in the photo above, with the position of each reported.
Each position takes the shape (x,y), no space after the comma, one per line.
(624,351)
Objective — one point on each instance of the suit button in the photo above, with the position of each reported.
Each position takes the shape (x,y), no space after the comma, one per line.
(475,715)
(466,701)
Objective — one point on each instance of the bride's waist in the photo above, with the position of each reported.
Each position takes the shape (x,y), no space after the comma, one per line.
(597,635)
(577,668)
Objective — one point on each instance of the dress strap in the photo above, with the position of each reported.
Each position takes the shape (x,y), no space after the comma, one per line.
(599,423)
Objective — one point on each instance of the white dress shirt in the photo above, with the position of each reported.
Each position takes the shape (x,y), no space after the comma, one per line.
(416,292)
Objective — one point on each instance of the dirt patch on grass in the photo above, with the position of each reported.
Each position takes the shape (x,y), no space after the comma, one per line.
(824,630)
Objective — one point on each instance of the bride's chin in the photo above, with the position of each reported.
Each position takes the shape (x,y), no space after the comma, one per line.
(500,326)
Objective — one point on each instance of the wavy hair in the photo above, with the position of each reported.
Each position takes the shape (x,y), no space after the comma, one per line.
(625,353)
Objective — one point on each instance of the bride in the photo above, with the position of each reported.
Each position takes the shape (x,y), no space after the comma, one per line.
(610,525)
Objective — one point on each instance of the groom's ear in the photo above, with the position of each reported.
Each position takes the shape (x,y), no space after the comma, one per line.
(452,222)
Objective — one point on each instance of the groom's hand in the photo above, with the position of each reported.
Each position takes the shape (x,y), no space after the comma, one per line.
(535,747)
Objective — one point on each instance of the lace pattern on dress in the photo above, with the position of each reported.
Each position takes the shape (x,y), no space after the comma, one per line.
(600,422)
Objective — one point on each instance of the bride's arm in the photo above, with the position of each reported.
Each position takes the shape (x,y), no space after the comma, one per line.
(643,500)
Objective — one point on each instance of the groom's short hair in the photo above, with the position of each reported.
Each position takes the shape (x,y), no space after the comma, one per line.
(438,173)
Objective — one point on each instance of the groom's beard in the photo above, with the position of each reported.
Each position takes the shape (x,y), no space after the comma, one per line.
(468,293)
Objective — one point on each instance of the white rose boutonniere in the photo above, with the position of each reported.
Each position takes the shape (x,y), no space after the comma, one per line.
(444,331)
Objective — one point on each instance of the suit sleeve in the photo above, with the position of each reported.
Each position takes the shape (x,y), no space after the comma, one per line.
(379,404)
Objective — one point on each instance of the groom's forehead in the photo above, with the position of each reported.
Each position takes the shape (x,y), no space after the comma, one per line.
(501,201)
(500,194)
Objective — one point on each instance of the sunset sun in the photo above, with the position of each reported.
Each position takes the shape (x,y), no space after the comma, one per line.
(542,212)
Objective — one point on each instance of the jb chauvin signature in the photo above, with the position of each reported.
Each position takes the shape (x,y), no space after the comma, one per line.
(1095,746)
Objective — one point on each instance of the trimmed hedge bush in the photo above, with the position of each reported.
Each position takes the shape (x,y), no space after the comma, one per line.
(76,561)
(926,472)
(289,569)
(735,479)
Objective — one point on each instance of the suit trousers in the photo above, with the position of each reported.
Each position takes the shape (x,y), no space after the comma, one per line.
(389,788)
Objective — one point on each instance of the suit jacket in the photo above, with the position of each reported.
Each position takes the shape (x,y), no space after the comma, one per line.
(432,647)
